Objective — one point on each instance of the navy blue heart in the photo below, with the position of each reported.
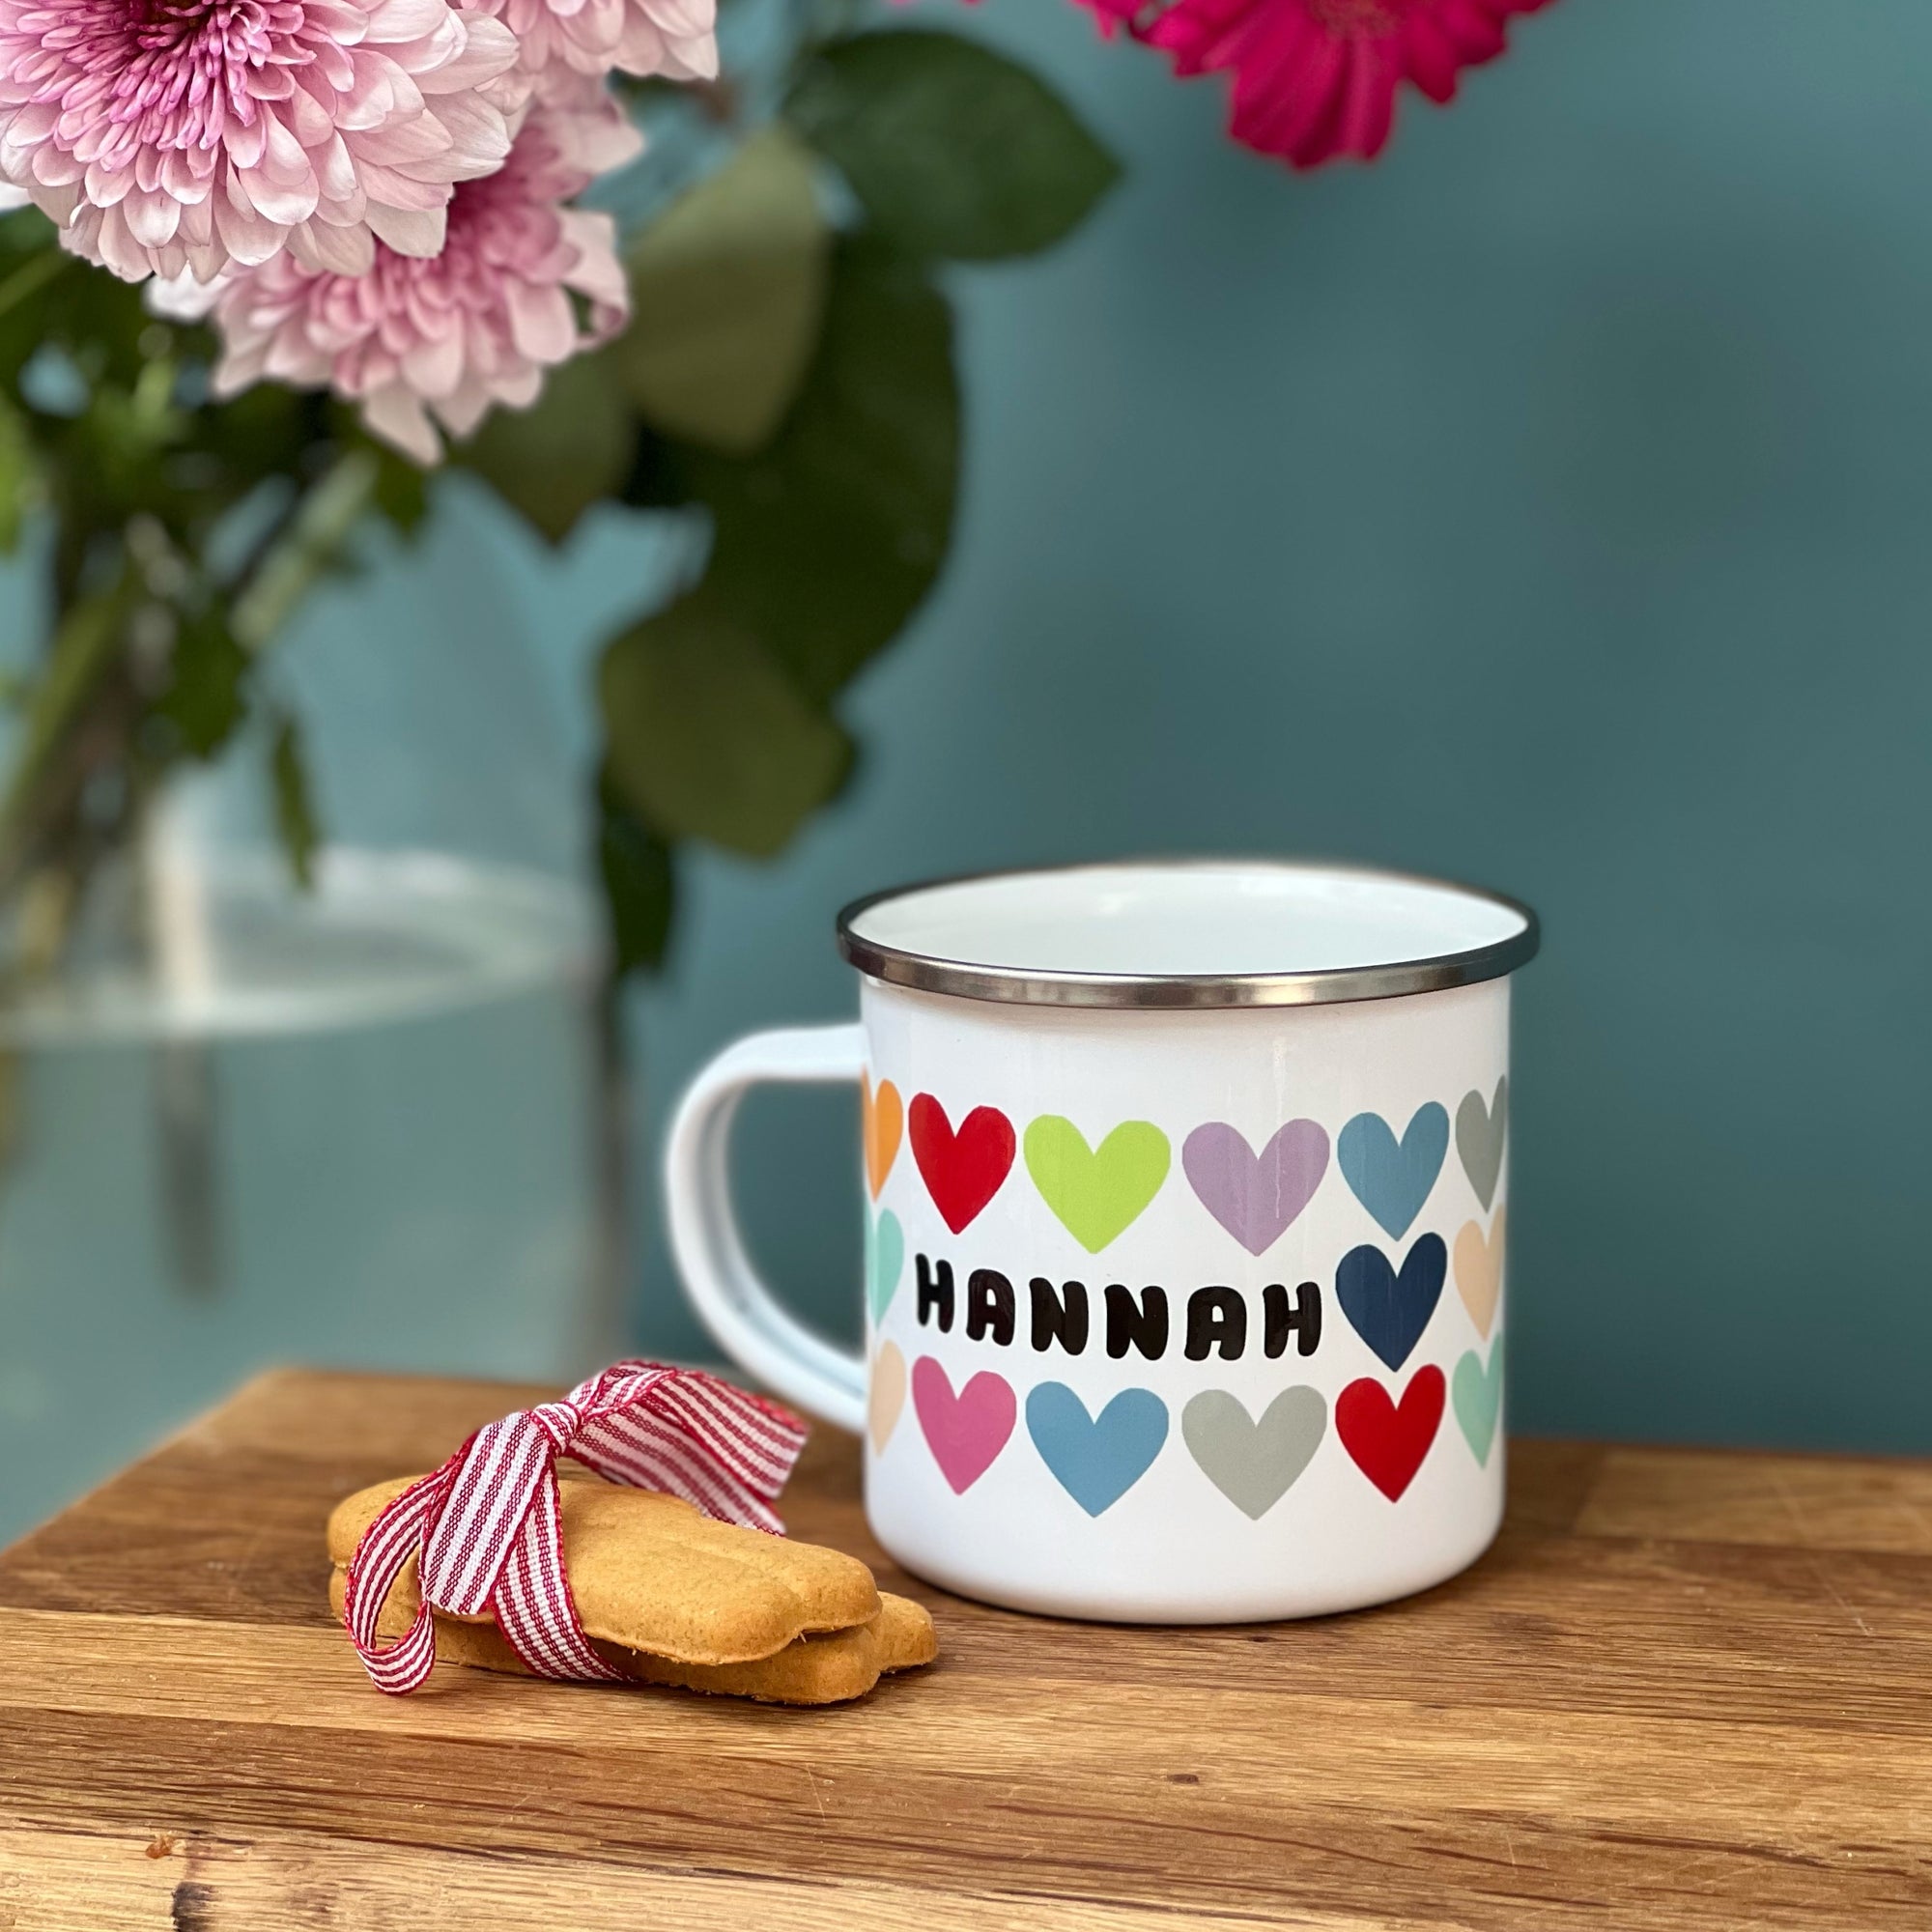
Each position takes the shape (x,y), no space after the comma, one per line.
(1389,1311)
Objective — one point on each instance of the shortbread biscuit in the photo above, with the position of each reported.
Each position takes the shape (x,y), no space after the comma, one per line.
(825,1669)
(650,1572)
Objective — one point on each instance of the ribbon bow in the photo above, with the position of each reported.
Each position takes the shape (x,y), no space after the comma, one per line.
(486,1528)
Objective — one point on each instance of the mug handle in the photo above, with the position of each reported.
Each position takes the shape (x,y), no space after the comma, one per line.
(723,1285)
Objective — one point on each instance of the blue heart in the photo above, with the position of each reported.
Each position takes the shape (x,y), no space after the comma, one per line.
(1392,1177)
(1096,1458)
(1389,1311)
(885,1256)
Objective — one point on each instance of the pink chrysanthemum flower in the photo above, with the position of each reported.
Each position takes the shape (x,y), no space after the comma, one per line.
(172,136)
(672,38)
(1315,79)
(419,343)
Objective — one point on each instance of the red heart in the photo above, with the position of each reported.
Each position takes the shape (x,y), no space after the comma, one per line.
(962,1170)
(1388,1441)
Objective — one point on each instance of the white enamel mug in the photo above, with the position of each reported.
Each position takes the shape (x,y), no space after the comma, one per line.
(1184,1192)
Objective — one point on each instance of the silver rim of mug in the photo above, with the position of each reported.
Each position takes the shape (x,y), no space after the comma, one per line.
(930,973)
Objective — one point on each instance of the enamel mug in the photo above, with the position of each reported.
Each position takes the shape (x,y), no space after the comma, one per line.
(1185,1187)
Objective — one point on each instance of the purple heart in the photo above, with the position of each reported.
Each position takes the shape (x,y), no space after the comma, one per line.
(1255,1196)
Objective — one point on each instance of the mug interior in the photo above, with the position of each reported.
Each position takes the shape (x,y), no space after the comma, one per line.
(1198,918)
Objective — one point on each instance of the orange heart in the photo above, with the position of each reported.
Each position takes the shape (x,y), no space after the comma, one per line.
(1479,1269)
(889,1393)
(882,1120)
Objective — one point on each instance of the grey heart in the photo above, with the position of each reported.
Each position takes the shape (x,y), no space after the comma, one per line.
(1479,1139)
(1253,1463)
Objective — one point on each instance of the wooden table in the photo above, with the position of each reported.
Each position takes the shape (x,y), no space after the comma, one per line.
(1687,1688)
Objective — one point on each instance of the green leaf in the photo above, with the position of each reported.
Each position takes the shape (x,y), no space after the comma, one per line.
(295,823)
(726,292)
(31,262)
(231,449)
(707,737)
(572,447)
(401,494)
(640,887)
(827,540)
(207,696)
(953,150)
(19,480)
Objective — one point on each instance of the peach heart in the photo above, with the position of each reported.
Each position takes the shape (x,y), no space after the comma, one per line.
(882,1120)
(1479,1269)
(889,1393)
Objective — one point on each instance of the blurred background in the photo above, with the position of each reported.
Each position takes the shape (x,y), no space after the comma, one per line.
(1545,505)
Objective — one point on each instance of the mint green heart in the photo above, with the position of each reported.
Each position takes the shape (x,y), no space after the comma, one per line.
(1096,1191)
(1478,1395)
(885,1256)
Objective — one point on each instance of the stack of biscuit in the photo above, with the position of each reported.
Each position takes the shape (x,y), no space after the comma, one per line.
(668,1596)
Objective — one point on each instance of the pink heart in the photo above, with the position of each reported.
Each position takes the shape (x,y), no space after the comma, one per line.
(966,1430)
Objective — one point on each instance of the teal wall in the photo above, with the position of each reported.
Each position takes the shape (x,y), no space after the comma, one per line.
(1549,506)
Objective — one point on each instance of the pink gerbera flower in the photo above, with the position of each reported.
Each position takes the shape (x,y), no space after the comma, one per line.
(183,135)
(1318,78)
(419,343)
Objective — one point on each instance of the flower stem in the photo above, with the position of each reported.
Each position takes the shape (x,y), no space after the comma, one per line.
(90,637)
(84,713)
(309,545)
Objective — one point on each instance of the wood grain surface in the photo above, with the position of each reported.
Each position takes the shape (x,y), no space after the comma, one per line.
(1687,1688)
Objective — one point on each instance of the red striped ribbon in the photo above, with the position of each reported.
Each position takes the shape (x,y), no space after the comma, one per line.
(486,1528)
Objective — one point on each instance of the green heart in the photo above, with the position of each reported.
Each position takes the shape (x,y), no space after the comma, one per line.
(885,1256)
(1096,1191)
(1478,1395)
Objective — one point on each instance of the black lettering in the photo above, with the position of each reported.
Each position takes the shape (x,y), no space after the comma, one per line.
(1216,1317)
(935,1296)
(1141,1325)
(1056,1317)
(1280,1320)
(990,1305)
